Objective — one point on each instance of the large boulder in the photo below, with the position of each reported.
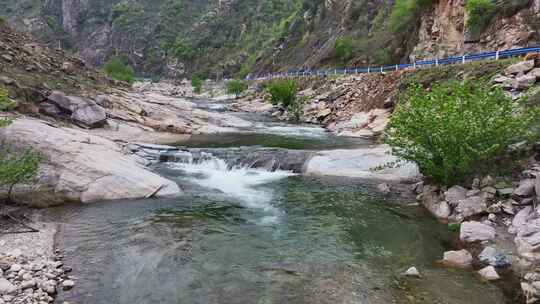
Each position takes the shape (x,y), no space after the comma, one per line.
(528,240)
(471,206)
(84,112)
(433,201)
(476,232)
(370,163)
(79,167)
(525,188)
(520,67)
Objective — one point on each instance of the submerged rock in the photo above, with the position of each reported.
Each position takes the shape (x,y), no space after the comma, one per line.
(412,272)
(460,259)
(489,273)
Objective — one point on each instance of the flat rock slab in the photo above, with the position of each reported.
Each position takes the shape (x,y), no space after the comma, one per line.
(366,163)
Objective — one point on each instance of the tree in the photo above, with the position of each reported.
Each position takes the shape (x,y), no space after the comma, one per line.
(236,87)
(196,83)
(117,69)
(16,168)
(480,13)
(454,127)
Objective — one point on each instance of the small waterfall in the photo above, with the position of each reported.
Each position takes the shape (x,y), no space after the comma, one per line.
(241,183)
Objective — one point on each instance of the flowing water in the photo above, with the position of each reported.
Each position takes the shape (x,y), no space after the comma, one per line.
(242,235)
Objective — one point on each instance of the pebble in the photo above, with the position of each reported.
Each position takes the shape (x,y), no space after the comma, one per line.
(31,280)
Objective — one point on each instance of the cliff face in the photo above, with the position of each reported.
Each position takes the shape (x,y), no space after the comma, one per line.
(443,30)
(225,38)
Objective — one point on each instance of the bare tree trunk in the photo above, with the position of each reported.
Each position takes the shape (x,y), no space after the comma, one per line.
(9,199)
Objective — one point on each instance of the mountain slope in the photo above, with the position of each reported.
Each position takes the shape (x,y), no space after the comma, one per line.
(226,38)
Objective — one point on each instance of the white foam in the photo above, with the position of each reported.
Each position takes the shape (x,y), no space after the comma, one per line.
(242,183)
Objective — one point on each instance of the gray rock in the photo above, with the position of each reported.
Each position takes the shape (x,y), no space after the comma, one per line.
(68,284)
(6,287)
(50,109)
(508,207)
(522,217)
(489,273)
(383,188)
(84,112)
(491,191)
(476,231)
(28,284)
(15,268)
(520,67)
(90,116)
(524,82)
(455,194)
(7,58)
(461,258)
(493,257)
(487,181)
(471,206)
(505,192)
(525,188)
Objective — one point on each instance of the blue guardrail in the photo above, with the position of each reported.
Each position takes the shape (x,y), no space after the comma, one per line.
(396,67)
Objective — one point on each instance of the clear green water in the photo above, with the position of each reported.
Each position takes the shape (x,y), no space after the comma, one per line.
(291,240)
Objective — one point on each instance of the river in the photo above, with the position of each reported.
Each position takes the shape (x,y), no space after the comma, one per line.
(247,235)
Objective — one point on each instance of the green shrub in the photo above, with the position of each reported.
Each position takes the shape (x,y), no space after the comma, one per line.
(236,87)
(117,69)
(454,127)
(283,92)
(344,49)
(16,168)
(196,83)
(6,104)
(296,108)
(480,13)
(405,12)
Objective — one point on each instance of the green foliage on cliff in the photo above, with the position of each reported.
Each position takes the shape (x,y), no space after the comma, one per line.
(117,69)
(236,87)
(16,167)
(453,127)
(6,104)
(480,13)
(344,48)
(405,12)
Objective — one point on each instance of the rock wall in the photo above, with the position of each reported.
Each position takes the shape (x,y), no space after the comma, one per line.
(443,30)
